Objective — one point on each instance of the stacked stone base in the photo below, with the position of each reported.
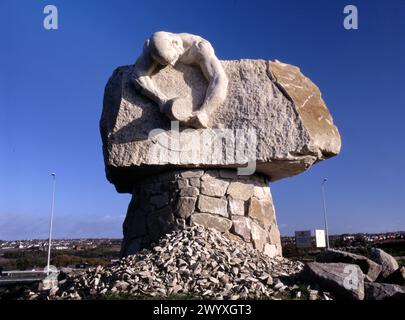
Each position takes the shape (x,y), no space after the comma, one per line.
(241,206)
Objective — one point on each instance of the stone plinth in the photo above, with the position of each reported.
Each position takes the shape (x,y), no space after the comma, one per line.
(240,206)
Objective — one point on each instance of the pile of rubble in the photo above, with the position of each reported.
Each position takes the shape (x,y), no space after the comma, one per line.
(191,263)
(200,263)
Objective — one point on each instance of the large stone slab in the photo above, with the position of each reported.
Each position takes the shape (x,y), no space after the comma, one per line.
(370,268)
(272,114)
(346,281)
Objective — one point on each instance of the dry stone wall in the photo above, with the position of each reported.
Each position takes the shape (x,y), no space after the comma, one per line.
(240,206)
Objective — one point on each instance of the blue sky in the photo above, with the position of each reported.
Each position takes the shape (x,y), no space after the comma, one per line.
(51,90)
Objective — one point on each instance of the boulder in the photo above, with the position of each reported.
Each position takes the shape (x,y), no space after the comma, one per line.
(345,281)
(397,277)
(384,291)
(273,115)
(387,262)
(369,267)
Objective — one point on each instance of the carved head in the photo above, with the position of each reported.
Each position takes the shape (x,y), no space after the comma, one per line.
(166,47)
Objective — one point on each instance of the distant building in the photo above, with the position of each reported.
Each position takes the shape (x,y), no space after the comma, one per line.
(61,248)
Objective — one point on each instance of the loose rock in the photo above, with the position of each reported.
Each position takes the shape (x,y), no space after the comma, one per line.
(345,280)
(384,291)
(387,262)
(196,262)
(369,268)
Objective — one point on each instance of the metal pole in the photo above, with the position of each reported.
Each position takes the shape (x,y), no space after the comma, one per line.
(51,223)
(324,212)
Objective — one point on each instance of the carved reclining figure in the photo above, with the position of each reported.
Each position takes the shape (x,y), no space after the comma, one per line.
(165,48)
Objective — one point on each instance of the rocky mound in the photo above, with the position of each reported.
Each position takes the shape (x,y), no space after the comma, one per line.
(191,263)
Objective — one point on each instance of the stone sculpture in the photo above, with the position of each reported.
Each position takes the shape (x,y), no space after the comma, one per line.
(165,48)
(263,119)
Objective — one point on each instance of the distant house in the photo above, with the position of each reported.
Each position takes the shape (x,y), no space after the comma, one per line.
(61,248)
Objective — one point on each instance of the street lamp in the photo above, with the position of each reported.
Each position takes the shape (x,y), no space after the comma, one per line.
(51,223)
(324,212)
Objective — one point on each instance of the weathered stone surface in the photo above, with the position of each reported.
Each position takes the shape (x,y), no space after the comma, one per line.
(214,187)
(279,247)
(344,280)
(369,268)
(236,206)
(240,190)
(384,291)
(262,193)
(211,221)
(241,226)
(258,235)
(135,221)
(189,192)
(228,174)
(160,222)
(292,124)
(261,211)
(274,235)
(270,250)
(182,183)
(212,205)
(196,173)
(388,262)
(131,245)
(310,106)
(397,277)
(195,182)
(160,200)
(210,174)
(185,207)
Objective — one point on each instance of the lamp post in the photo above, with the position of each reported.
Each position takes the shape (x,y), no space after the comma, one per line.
(324,212)
(51,223)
